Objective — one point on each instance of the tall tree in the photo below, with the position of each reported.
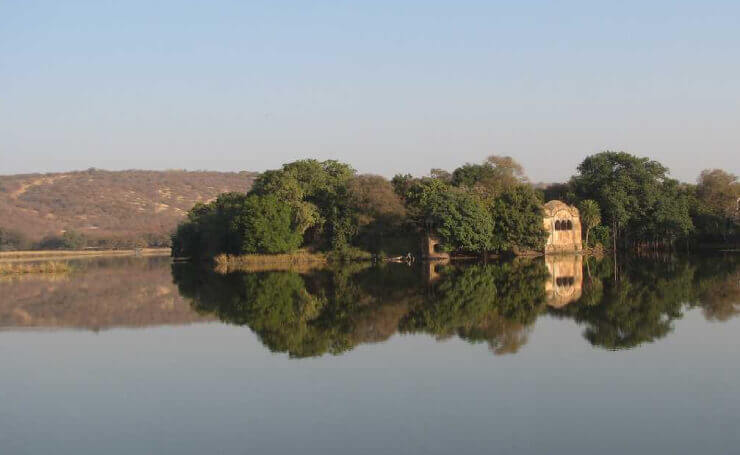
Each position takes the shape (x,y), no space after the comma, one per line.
(517,215)
(492,177)
(590,215)
(632,192)
(719,191)
(461,220)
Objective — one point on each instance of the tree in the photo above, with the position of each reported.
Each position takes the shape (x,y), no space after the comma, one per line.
(590,215)
(517,217)
(492,177)
(461,220)
(236,224)
(635,195)
(13,240)
(265,226)
(380,216)
(73,240)
(718,191)
(318,193)
(441,174)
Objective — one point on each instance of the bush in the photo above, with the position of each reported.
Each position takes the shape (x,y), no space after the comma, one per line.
(237,224)
(13,241)
(600,235)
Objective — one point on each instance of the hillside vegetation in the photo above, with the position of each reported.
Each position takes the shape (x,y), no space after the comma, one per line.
(104,208)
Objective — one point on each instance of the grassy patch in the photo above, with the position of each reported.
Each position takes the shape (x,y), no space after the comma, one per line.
(69,254)
(300,260)
(23,268)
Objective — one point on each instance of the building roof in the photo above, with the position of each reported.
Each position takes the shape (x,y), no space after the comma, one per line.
(552,207)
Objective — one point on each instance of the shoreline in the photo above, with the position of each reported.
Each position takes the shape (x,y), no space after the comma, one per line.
(34,268)
(299,261)
(32,255)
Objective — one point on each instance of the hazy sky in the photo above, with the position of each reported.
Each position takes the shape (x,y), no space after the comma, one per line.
(389,86)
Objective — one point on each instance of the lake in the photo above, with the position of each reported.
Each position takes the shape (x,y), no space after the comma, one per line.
(556,356)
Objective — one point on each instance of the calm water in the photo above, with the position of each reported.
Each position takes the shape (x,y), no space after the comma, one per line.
(139,356)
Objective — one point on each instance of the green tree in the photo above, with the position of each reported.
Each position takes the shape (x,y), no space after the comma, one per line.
(380,216)
(265,225)
(590,215)
(517,217)
(719,191)
(634,195)
(318,193)
(494,176)
(714,206)
(236,224)
(461,220)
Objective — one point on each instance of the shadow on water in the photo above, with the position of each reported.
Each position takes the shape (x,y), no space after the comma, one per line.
(334,310)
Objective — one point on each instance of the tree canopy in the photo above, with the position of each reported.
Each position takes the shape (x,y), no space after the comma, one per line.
(636,196)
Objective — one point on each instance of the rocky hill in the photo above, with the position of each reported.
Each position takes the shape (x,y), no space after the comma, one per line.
(107,208)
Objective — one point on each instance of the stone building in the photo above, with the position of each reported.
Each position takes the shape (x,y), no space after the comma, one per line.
(563,225)
(430,248)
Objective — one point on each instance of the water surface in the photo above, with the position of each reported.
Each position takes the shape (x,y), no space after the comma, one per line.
(137,355)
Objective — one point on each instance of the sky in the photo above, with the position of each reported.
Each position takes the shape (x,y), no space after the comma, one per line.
(388,86)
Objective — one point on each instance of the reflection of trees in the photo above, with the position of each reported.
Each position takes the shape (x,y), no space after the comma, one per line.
(638,308)
(641,306)
(333,310)
(304,315)
(717,288)
(495,303)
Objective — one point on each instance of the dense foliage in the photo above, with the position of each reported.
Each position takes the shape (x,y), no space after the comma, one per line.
(324,205)
(644,208)
(625,201)
(319,205)
(479,208)
(236,223)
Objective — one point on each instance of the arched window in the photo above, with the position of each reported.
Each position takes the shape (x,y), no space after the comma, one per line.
(569,226)
(557,225)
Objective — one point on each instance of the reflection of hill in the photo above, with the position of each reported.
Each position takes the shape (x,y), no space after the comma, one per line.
(133,292)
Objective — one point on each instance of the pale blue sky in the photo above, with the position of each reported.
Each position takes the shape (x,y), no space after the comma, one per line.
(389,86)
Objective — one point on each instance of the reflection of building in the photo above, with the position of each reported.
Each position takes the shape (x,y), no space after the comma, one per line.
(565,281)
(433,268)
(563,224)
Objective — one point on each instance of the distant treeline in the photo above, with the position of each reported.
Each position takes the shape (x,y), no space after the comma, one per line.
(74,240)
(626,201)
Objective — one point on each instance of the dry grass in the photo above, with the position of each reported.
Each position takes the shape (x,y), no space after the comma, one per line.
(69,254)
(299,261)
(120,205)
(18,268)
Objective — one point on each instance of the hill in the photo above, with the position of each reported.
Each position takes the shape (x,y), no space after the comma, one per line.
(104,208)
